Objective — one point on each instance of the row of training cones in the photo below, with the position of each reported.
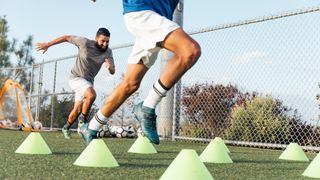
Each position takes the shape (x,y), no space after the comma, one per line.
(97,154)
(294,152)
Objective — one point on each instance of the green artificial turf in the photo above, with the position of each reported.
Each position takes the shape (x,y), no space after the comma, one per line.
(249,163)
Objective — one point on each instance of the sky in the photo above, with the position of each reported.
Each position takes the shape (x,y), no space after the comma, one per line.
(46,20)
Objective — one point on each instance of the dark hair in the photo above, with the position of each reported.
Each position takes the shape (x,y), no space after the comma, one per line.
(103,31)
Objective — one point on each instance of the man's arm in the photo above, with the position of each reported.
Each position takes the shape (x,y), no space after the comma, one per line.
(110,66)
(45,46)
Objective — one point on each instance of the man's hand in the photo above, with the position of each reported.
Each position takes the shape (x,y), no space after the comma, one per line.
(43,46)
(109,66)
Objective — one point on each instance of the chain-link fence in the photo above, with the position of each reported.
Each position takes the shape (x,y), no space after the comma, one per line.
(255,84)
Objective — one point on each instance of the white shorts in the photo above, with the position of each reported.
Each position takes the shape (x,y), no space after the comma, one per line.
(149,28)
(79,86)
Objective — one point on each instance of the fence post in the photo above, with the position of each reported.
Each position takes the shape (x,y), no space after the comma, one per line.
(31,82)
(39,90)
(168,116)
(53,94)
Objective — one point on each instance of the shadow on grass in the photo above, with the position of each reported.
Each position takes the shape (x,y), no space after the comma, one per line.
(268,161)
(140,165)
(62,153)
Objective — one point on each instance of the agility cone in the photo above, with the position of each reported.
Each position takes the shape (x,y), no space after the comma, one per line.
(142,146)
(219,140)
(186,166)
(294,153)
(34,144)
(96,154)
(215,152)
(313,168)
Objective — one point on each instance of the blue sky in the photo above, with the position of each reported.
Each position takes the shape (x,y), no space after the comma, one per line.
(254,51)
(46,19)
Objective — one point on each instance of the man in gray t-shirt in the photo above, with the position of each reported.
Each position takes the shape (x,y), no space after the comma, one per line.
(91,55)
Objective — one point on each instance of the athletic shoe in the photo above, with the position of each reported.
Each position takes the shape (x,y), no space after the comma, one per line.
(87,134)
(147,119)
(66,133)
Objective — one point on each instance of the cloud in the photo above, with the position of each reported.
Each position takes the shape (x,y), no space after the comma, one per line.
(252,56)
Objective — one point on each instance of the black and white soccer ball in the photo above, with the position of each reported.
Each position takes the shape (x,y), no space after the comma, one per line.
(121,132)
(131,132)
(103,132)
(113,130)
(37,125)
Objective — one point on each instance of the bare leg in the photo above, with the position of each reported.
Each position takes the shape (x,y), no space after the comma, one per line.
(187,52)
(90,96)
(129,85)
(75,112)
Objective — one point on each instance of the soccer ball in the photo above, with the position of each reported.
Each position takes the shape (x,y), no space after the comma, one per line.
(104,131)
(113,130)
(6,123)
(139,131)
(121,132)
(37,125)
(131,132)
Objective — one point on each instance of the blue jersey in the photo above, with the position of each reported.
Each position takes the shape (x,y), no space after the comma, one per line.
(162,7)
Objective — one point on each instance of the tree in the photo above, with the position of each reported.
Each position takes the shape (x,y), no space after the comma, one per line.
(207,108)
(4,43)
(4,49)
(24,59)
(261,119)
(23,56)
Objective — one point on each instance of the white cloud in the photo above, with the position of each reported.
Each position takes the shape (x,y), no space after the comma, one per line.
(252,56)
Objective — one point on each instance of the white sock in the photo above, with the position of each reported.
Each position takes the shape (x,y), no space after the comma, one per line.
(98,121)
(157,92)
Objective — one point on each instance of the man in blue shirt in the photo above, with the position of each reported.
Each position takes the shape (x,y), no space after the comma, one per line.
(150,21)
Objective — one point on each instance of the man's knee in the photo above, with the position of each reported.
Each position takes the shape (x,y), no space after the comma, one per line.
(91,96)
(190,54)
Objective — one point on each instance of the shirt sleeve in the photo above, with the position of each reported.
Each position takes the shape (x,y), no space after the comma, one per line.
(78,41)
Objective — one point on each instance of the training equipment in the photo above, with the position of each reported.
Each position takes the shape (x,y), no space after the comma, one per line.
(131,132)
(113,130)
(34,144)
(186,166)
(219,140)
(14,107)
(215,152)
(103,132)
(294,153)
(121,132)
(313,168)
(37,125)
(96,154)
(142,146)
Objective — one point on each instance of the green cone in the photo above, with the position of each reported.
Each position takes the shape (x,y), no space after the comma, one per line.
(34,144)
(186,166)
(215,152)
(218,139)
(294,153)
(142,146)
(96,154)
(313,170)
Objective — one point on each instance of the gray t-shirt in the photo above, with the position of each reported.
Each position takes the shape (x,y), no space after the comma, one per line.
(89,59)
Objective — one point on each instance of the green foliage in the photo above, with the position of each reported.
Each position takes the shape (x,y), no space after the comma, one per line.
(23,57)
(263,119)
(208,106)
(61,108)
